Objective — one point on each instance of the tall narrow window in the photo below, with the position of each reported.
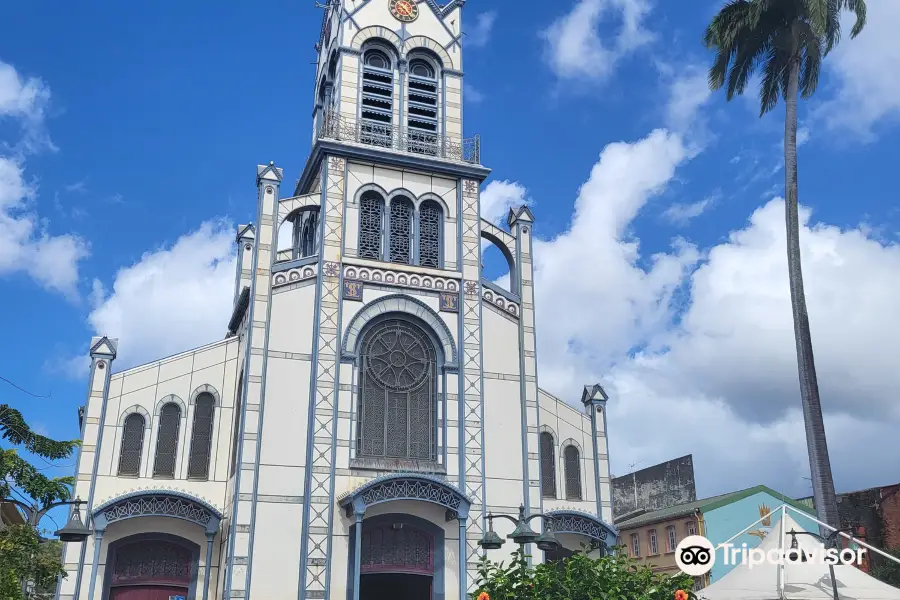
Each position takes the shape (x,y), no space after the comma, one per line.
(201,437)
(377,108)
(548,466)
(132,446)
(671,539)
(635,545)
(652,542)
(236,431)
(430,218)
(573,473)
(371,216)
(167,440)
(422,108)
(401,231)
(306,233)
(397,393)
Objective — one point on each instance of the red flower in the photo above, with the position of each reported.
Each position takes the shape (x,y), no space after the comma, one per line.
(484,596)
(679,595)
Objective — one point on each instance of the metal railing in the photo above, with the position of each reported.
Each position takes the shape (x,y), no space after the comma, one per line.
(338,127)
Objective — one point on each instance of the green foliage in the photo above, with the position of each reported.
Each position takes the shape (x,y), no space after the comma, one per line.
(24,557)
(614,577)
(887,570)
(769,36)
(17,473)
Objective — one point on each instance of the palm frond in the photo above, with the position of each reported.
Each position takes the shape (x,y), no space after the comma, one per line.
(817,14)
(775,73)
(722,33)
(811,49)
(833,25)
(859,8)
(750,53)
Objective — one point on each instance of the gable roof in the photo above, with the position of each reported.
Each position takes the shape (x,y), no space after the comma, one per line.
(704,506)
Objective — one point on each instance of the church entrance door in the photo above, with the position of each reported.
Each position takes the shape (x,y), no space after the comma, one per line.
(151,570)
(397,562)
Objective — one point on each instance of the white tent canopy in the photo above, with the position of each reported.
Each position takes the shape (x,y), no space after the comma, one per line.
(796,581)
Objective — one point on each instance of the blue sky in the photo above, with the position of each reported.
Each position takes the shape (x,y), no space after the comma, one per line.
(131,136)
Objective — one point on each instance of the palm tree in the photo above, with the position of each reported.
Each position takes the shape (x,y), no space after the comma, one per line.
(786,40)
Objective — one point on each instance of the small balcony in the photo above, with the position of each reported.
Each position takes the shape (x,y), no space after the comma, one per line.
(337,127)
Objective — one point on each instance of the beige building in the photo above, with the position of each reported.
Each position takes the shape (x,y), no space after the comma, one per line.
(374,397)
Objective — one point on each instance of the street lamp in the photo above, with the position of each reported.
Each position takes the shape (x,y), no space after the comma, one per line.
(74,531)
(830,541)
(522,534)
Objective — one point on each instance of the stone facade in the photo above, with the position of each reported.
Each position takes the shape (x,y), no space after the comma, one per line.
(254,453)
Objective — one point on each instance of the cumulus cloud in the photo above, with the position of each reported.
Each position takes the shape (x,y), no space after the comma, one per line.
(25,100)
(682,214)
(574,45)
(498,197)
(866,68)
(688,92)
(173,299)
(480,34)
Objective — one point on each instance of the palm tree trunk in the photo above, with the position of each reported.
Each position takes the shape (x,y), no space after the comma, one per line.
(819,464)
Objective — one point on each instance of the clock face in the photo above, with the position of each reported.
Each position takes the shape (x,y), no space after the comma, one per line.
(404,10)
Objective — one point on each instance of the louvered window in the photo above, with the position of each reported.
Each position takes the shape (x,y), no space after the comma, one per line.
(236,432)
(201,437)
(573,473)
(306,233)
(430,218)
(371,216)
(401,230)
(397,393)
(422,108)
(132,446)
(548,466)
(377,109)
(167,441)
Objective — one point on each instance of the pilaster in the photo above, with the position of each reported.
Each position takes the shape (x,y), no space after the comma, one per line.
(318,514)
(246,236)
(243,511)
(594,399)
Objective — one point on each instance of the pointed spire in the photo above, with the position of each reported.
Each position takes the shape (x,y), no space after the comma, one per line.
(523,214)
(594,394)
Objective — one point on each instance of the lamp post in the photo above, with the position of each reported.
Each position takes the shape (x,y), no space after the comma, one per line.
(74,530)
(830,541)
(522,534)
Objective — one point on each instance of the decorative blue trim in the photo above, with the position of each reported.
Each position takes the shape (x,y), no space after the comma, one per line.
(444,416)
(95,565)
(584,523)
(205,389)
(276,194)
(311,415)
(480,300)
(388,158)
(406,486)
(293,264)
(537,387)
(526,480)
(511,296)
(597,486)
(158,503)
(606,439)
(463,571)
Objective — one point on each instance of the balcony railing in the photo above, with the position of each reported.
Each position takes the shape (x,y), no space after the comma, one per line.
(338,127)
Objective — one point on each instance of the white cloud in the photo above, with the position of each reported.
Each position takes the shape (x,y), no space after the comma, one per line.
(480,34)
(26,101)
(866,69)
(498,197)
(173,299)
(472,94)
(688,93)
(25,244)
(575,46)
(681,214)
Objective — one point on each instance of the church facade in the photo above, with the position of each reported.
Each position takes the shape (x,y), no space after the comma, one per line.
(373,398)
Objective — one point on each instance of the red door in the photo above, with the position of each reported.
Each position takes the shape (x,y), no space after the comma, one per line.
(141,592)
(151,570)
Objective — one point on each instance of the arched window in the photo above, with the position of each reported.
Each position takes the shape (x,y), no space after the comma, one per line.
(236,432)
(167,440)
(397,393)
(371,216)
(573,473)
(422,108)
(400,244)
(430,219)
(548,465)
(305,240)
(377,108)
(201,436)
(132,446)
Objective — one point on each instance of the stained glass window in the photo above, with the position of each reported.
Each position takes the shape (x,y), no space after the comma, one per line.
(132,445)
(548,465)
(371,209)
(397,393)
(401,231)
(167,441)
(430,234)
(201,437)
(573,473)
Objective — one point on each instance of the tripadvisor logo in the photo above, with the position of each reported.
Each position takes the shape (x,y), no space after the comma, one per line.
(695,555)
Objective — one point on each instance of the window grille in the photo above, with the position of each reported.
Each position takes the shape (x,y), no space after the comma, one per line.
(167,440)
(691,528)
(201,437)
(573,473)
(548,465)
(132,445)
(401,231)
(430,218)
(371,209)
(654,547)
(397,393)
(635,545)
(306,233)
(153,561)
(386,549)
(422,108)
(377,110)
(670,538)
(236,433)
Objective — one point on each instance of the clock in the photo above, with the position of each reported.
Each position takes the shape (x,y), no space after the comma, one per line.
(405,11)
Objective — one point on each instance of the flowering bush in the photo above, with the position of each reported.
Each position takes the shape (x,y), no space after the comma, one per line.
(614,577)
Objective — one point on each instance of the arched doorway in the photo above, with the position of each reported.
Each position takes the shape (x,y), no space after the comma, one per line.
(152,567)
(397,561)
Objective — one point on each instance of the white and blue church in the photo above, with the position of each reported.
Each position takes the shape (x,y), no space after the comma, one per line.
(373,398)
